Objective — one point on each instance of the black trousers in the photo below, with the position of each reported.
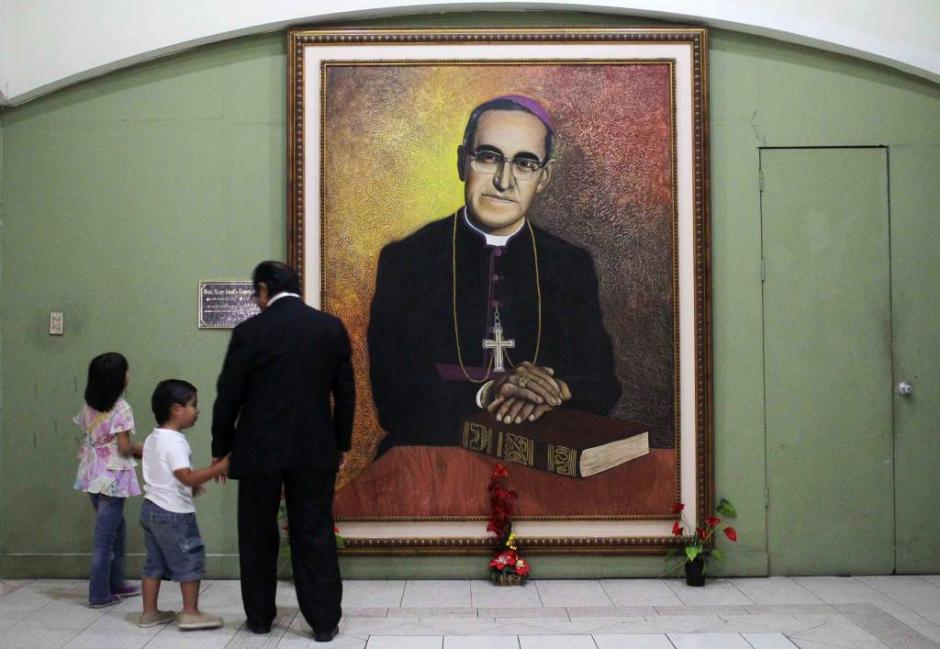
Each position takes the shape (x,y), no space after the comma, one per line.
(312,542)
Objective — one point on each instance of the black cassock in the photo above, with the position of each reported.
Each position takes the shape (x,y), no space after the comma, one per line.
(420,391)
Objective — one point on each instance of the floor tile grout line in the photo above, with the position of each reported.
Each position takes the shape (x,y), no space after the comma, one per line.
(808,591)
(896,601)
(889,614)
(7,581)
(78,633)
(743,594)
(606,594)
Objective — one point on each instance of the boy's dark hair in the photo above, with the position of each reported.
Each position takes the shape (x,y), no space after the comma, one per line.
(107,375)
(166,394)
(277,276)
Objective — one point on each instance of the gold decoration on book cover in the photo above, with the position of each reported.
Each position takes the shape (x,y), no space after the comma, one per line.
(478,437)
(518,449)
(562,460)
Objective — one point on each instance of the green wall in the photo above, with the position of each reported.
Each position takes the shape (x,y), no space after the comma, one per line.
(120,194)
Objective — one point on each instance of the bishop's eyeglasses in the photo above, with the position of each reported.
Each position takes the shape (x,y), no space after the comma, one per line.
(488,161)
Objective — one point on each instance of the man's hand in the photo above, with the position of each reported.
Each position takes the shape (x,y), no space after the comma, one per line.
(515,411)
(343,459)
(222,477)
(525,393)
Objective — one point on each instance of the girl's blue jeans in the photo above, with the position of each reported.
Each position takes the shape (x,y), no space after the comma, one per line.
(107,554)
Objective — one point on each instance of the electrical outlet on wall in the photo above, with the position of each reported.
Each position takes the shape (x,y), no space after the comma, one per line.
(56,323)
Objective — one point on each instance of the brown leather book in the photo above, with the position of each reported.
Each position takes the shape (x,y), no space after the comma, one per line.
(565,442)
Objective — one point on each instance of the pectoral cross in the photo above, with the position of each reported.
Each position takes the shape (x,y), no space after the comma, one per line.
(498,344)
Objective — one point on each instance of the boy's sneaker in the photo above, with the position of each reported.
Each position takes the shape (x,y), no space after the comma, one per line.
(194,621)
(153,619)
(127,590)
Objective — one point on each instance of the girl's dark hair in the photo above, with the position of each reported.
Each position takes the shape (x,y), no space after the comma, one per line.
(106,377)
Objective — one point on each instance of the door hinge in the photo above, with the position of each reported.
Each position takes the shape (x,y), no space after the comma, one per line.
(766,497)
(763,270)
(760,179)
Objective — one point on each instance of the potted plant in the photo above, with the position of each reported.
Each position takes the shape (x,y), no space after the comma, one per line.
(507,567)
(697,548)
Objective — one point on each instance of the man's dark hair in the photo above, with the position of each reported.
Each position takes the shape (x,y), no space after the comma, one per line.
(166,394)
(106,380)
(503,103)
(277,276)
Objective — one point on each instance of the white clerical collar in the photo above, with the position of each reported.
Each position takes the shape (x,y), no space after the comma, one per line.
(280,295)
(499,240)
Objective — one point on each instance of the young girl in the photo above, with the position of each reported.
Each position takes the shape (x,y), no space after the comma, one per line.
(107,474)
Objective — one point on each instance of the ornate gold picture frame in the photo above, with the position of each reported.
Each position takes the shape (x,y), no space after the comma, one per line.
(616,252)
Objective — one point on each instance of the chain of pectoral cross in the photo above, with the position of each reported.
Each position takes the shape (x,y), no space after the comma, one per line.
(498,344)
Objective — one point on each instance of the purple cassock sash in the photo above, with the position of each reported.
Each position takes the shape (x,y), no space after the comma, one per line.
(454,373)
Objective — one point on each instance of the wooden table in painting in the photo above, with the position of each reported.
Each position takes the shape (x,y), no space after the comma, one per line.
(438,481)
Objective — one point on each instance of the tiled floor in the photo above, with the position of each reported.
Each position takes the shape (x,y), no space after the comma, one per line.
(774,613)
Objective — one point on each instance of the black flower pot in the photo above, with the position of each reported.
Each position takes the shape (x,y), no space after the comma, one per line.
(695,572)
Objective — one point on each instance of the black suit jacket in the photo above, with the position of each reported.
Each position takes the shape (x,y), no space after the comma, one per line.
(273,410)
(411,326)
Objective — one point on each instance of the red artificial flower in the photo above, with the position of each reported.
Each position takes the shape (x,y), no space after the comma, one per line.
(504,559)
(700,532)
(677,508)
(730,533)
(676,529)
(711,521)
(522,568)
(499,471)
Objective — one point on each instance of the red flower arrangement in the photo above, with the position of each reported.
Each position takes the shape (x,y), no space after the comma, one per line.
(507,567)
(698,546)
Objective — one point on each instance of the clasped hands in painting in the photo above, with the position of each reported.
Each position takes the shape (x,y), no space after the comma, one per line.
(525,393)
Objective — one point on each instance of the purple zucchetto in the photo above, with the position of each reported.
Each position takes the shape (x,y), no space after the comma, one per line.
(529,104)
(512,102)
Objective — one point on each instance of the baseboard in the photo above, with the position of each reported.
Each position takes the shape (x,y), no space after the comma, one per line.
(75,566)
(225,566)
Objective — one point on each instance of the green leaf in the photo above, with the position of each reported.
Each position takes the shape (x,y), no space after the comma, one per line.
(718,554)
(692,551)
(725,508)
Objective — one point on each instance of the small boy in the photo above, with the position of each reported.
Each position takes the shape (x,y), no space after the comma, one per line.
(174,548)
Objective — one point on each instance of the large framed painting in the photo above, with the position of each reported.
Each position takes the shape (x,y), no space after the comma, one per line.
(513,225)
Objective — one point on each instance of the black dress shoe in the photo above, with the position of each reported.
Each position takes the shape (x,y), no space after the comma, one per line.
(260,629)
(326,636)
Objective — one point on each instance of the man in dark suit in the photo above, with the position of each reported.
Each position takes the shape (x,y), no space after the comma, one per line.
(273,414)
(483,309)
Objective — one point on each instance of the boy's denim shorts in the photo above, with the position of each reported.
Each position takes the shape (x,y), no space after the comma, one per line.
(175,551)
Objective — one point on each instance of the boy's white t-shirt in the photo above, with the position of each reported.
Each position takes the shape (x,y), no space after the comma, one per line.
(166,451)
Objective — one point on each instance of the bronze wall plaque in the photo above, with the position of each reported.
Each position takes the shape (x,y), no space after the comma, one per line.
(222,305)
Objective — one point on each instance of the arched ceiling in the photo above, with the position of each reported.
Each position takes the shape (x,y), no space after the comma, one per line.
(48,44)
